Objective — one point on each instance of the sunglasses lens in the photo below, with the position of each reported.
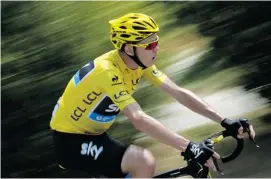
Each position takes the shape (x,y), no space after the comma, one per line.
(151,46)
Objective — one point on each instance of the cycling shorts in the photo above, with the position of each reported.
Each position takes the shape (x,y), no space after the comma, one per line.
(99,155)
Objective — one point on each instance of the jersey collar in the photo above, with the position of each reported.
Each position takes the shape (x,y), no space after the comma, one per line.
(121,63)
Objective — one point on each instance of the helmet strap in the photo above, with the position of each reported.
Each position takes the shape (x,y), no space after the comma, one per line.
(136,59)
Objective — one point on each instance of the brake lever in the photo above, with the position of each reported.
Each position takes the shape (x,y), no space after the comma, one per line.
(247,129)
(250,137)
(217,166)
(246,125)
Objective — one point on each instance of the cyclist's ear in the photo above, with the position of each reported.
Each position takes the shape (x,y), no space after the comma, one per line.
(128,49)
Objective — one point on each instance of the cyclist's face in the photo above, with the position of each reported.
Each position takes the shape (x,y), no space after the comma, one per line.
(148,55)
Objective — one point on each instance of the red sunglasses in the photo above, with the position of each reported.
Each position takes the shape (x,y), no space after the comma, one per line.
(149,46)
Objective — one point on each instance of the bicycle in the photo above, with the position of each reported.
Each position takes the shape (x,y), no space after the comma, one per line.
(198,171)
(195,169)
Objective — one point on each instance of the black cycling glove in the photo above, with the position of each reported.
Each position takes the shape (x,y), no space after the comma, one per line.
(232,126)
(199,152)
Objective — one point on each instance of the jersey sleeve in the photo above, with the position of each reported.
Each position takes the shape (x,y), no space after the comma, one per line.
(111,81)
(154,75)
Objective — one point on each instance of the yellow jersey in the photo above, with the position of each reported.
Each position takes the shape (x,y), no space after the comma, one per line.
(97,93)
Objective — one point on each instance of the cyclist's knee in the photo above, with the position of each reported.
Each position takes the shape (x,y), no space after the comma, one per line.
(148,160)
(138,161)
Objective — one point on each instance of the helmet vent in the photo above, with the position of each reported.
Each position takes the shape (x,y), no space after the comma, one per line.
(114,41)
(139,23)
(139,38)
(153,22)
(145,33)
(123,27)
(123,22)
(139,28)
(125,35)
(133,17)
(114,35)
(148,24)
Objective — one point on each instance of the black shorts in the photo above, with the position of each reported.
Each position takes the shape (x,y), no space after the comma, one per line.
(99,155)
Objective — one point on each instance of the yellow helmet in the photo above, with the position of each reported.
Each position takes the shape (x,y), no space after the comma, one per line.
(132,27)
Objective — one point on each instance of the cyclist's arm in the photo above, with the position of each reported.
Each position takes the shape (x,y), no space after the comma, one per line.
(142,122)
(190,100)
(154,128)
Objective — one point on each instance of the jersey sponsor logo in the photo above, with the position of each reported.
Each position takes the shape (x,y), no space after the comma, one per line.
(91,97)
(156,73)
(112,108)
(79,110)
(106,111)
(77,113)
(83,72)
(91,149)
(121,96)
(101,118)
(134,83)
(115,80)
(196,150)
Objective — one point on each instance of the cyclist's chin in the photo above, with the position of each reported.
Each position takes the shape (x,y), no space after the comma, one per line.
(149,62)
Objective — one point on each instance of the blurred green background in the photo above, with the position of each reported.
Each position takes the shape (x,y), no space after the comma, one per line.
(219,50)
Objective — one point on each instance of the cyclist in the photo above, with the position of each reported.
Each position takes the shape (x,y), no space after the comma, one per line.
(103,87)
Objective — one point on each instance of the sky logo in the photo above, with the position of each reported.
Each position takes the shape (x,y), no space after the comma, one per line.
(101,118)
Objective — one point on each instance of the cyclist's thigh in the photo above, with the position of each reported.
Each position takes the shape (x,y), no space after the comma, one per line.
(98,155)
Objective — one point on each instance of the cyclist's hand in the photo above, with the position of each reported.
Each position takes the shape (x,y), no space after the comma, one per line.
(201,153)
(236,127)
